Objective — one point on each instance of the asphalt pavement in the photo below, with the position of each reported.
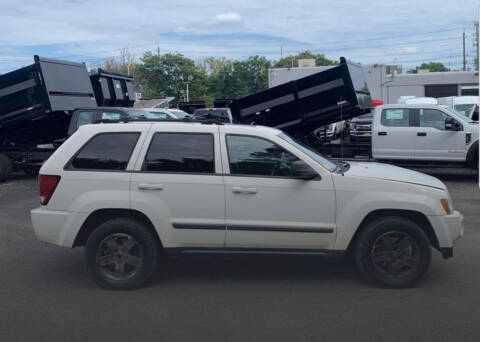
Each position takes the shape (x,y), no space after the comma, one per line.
(46,294)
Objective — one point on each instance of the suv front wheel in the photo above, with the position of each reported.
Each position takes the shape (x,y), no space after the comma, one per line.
(121,254)
(392,252)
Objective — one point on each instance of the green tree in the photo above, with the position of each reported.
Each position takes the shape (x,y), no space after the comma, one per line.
(240,78)
(433,66)
(166,75)
(289,61)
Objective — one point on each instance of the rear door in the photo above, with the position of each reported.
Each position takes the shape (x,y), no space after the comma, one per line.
(393,134)
(178,183)
(433,141)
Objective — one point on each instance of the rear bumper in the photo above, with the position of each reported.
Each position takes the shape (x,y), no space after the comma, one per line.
(56,227)
(448,229)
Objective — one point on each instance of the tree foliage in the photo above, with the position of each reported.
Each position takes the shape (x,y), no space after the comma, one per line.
(433,67)
(166,75)
(289,61)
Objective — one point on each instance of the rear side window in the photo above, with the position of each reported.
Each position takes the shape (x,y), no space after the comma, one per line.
(180,152)
(396,117)
(85,118)
(106,151)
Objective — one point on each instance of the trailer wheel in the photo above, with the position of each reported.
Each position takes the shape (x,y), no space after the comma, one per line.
(5,167)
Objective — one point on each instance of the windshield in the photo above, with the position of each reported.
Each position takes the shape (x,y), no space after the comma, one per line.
(179,114)
(136,112)
(464,109)
(327,164)
(148,114)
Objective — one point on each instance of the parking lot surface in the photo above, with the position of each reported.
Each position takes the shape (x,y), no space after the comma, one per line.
(46,294)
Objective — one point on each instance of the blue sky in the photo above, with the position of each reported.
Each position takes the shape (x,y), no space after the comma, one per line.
(387,31)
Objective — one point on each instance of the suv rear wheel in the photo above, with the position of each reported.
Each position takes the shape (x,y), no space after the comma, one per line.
(393,252)
(121,254)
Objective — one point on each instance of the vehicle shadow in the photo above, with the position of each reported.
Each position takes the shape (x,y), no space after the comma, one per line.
(256,269)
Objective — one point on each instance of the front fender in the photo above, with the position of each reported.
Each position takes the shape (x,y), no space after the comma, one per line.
(353,207)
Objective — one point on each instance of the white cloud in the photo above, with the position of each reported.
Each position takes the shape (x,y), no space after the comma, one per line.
(408,50)
(227,19)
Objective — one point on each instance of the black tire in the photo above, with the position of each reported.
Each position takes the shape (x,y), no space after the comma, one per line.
(107,244)
(6,167)
(393,252)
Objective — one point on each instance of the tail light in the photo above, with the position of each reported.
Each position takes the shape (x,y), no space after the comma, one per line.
(46,187)
(377,102)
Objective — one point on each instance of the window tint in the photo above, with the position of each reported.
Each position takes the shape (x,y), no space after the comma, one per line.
(106,151)
(256,156)
(218,114)
(111,116)
(432,118)
(396,117)
(85,118)
(180,152)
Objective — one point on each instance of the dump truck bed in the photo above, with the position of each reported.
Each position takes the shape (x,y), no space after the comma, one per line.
(332,95)
(35,100)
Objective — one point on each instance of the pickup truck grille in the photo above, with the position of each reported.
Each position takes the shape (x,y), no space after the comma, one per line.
(363,128)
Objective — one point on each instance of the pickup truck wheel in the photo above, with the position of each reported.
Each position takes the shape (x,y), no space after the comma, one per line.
(393,252)
(121,254)
(5,167)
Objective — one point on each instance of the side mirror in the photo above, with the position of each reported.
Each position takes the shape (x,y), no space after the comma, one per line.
(301,170)
(452,125)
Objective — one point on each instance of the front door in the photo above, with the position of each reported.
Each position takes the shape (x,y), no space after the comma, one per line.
(433,141)
(266,207)
(178,183)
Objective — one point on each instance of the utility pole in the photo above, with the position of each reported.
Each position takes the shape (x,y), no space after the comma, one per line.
(475,44)
(464,55)
(281,51)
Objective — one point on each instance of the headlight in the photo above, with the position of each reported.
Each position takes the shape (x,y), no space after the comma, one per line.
(446,206)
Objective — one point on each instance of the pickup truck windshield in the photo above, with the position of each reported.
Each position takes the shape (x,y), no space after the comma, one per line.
(327,164)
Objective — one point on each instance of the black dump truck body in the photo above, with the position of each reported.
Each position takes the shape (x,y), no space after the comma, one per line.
(112,89)
(303,105)
(189,107)
(35,100)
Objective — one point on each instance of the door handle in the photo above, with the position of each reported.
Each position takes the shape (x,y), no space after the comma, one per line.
(421,134)
(242,190)
(382,133)
(150,186)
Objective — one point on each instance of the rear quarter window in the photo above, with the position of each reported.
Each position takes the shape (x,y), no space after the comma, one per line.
(105,151)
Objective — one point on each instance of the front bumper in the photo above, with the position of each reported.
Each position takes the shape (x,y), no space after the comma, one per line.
(448,229)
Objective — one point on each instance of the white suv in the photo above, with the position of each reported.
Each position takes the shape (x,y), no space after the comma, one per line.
(128,192)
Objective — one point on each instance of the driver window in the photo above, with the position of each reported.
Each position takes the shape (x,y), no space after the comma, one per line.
(433,118)
(257,156)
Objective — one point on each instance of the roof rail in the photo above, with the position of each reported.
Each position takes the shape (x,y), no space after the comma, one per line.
(125,120)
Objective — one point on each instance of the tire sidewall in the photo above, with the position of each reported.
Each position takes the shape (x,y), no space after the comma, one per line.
(382,226)
(144,238)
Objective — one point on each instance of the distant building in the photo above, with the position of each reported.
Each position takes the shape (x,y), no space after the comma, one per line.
(388,85)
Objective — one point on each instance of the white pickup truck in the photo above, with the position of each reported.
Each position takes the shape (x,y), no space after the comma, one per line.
(424,133)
